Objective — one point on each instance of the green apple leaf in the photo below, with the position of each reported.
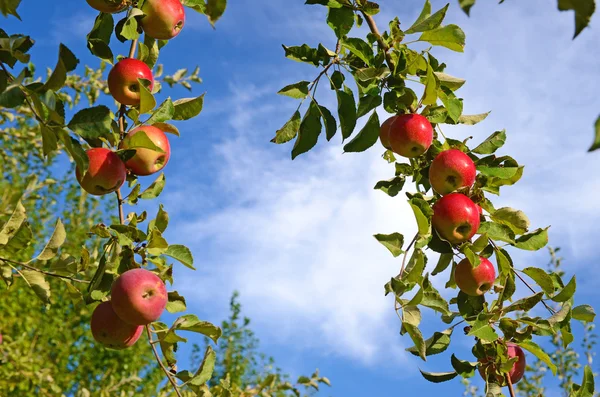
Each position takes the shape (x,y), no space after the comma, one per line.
(340,20)
(176,302)
(393,242)
(367,136)
(584,313)
(310,129)
(347,113)
(182,254)
(449,36)
(187,108)
(438,377)
(297,90)
(289,129)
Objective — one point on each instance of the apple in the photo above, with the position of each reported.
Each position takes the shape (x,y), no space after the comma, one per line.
(164,19)
(147,161)
(451,170)
(1,340)
(475,281)
(455,217)
(110,330)
(139,296)
(487,368)
(384,132)
(106,172)
(108,6)
(410,135)
(123,81)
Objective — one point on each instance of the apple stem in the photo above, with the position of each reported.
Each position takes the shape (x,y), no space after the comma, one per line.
(162,366)
(510,386)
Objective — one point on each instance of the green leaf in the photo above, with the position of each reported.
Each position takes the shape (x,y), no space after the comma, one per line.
(92,123)
(438,377)
(156,243)
(392,186)
(414,270)
(329,122)
(537,351)
(533,241)
(438,343)
(127,28)
(411,320)
(596,144)
(206,369)
(38,284)
(587,385)
(542,279)
(425,13)
(303,53)
(393,242)
(366,137)
(67,62)
(498,172)
(340,20)
(98,40)
(442,264)
(187,108)
(463,367)
(141,140)
(346,112)
(525,304)
(450,36)
(367,103)
(165,127)
(423,214)
(289,129)
(147,101)
(584,313)
(360,48)
(191,323)
(14,223)
(10,8)
(215,9)
(176,302)
(430,93)
(584,9)
(297,90)
(472,119)
(515,219)
(492,143)
(429,23)
(182,254)
(155,189)
(453,105)
(567,292)
(453,83)
(310,129)
(57,239)
(466,5)
(49,140)
(481,328)
(497,231)
(164,112)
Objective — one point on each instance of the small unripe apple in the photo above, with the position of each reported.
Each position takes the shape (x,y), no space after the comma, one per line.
(139,296)
(123,81)
(108,6)
(106,172)
(147,161)
(163,19)
(486,369)
(410,135)
(110,330)
(384,132)
(451,170)
(456,218)
(475,281)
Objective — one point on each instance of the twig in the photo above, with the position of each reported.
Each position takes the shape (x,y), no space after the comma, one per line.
(510,386)
(28,267)
(406,254)
(120,204)
(382,44)
(162,366)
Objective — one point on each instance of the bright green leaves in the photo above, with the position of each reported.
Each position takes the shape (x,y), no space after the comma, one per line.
(516,220)
(37,282)
(57,239)
(176,302)
(450,36)
(203,374)
(127,28)
(346,112)
(584,9)
(340,20)
(309,131)
(298,90)
(182,254)
(213,9)
(98,40)
(187,108)
(586,389)
(543,279)
(9,7)
(67,62)
(533,241)
(92,124)
(303,53)
(436,344)
(428,22)
(438,377)
(393,242)
(537,351)
(492,143)
(289,129)
(584,313)
(359,48)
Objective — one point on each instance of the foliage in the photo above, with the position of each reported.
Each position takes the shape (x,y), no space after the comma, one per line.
(388,69)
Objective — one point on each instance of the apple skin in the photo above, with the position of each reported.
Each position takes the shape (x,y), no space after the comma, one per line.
(384,132)
(139,296)
(123,81)
(456,218)
(164,19)
(110,330)
(108,6)
(1,339)
(106,172)
(410,135)
(451,170)
(517,371)
(147,161)
(475,281)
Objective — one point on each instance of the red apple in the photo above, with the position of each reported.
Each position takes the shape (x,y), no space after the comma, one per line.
(123,81)
(147,161)
(139,296)
(110,330)
(475,281)
(451,170)
(108,6)
(106,172)
(455,217)
(410,135)
(384,132)
(1,339)
(486,369)
(164,19)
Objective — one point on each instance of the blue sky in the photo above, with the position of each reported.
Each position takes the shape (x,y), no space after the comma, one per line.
(294,237)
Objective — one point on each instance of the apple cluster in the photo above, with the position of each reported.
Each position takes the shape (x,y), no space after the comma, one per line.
(138,297)
(162,20)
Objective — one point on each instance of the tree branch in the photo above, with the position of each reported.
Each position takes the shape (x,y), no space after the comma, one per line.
(382,44)
(162,366)
(35,269)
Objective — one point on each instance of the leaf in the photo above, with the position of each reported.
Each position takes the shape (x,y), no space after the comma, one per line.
(164,112)
(393,242)
(392,186)
(310,129)
(567,292)
(176,302)
(438,377)
(587,385)
(450,36)
(497,231)
(442,264)
(98,40)
(360,48)
(367,103)
(165,127)
(525,304)
(297,90)
(423,213)
(12,226)
(329,122)
(214,10)
(542,279)
(92,123)
(533,241)
(472,119)
(438,343)
(56,241)
(302,53)
(340,20)
(156,243)
(346,112)
(537,351)
(147,101)
(481,328)
(596,144)
(466,5)
(411,319)
(366,137)
(515,219)
(463,367)
(498,172)
(429,23)
(492,143)
(10,8)
(182,254)
(289,129)
(67,62)
(49,140)
(141,140)
(584,9)
(451,82)
(453,105)
(38,284)
(206,369)
(191,323)
(584,313)
(154,190)
(187,108)
(425,13)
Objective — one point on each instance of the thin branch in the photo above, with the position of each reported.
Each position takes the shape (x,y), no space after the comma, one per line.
(28,267)
(120,204)
(162,366)
(382,44)
(406,254)
(510,386)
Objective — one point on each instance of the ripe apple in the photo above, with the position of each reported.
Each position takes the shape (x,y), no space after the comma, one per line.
(410,135)
(110,330)
(147,161)
(455,217)
(164,19)
(475,281)
(451,170)
(486,369)
(106,172)
(108,6)
(139,296)
(384,132)
(123,81)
